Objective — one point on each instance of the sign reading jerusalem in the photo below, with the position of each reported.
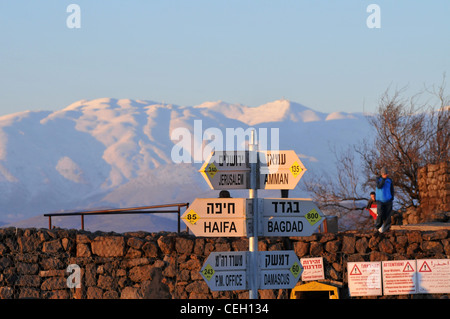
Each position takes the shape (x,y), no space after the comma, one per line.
(231,170)
(227,170)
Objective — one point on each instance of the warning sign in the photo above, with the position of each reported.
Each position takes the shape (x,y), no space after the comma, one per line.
(364,278)
(312,269)
(433,276)
(399,277)
(425,267)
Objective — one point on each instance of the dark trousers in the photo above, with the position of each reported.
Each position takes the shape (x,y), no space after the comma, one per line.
(384,211)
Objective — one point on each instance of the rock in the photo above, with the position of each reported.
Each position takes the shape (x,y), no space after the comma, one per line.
(184,245)
(348,244)
(166,244)
(301,248)
(53,246)
(108,246)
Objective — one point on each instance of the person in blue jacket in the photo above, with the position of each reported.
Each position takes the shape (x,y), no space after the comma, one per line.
(385,196)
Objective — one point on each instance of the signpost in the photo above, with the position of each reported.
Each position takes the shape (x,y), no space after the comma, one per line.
(290,217)
(220,217)
(217,217)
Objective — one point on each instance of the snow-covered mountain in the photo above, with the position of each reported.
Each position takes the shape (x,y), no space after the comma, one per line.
(117,152)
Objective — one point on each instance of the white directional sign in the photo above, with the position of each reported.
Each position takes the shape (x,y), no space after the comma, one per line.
(231,170)
(280,169)
(229,270)
(289,217)
(217,217)
(279,269)
(226,270)
(227,170)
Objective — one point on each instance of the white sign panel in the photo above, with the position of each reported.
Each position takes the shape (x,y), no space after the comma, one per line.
(312,269)
(287,226)
(227,170)
(217,217)
(290,207)
(219,227)
(225,271)
(399,277)
(364,278)
(277,279)
(289,217)
(280,169)
(229,180)
(433,276)
(279,269)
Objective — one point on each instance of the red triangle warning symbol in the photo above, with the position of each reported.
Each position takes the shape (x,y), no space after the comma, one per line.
(425,267)
(408,268)
(355,270)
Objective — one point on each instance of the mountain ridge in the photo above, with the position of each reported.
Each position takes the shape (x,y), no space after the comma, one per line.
(117,152)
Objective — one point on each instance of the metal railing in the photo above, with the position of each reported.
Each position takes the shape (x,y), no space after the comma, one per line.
(118,211)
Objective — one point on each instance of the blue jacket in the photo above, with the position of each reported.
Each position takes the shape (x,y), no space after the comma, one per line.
(385,190)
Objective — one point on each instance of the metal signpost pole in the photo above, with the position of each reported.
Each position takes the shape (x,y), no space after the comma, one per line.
(253,240)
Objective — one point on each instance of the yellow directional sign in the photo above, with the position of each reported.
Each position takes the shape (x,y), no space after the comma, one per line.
(280,169)
(217,217)
(279,269)
(290,217)
(227,170)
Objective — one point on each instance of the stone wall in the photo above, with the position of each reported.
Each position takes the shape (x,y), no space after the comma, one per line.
(34,262)
(434,190)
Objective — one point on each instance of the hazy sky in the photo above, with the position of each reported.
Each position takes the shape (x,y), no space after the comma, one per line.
(315,52)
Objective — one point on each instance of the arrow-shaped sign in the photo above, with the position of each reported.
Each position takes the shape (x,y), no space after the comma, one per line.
(217,217)
(229,270)
(289,217)
(280,169)
(226,270)
(279,269)
(231,170)
(227,170)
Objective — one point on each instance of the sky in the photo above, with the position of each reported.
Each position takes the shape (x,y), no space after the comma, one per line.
(320,53)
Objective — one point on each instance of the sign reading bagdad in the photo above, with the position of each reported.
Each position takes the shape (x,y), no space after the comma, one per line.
(289,217)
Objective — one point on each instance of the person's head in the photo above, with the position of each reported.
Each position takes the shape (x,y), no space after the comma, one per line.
(372,195)
(384,172)
(224,194)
